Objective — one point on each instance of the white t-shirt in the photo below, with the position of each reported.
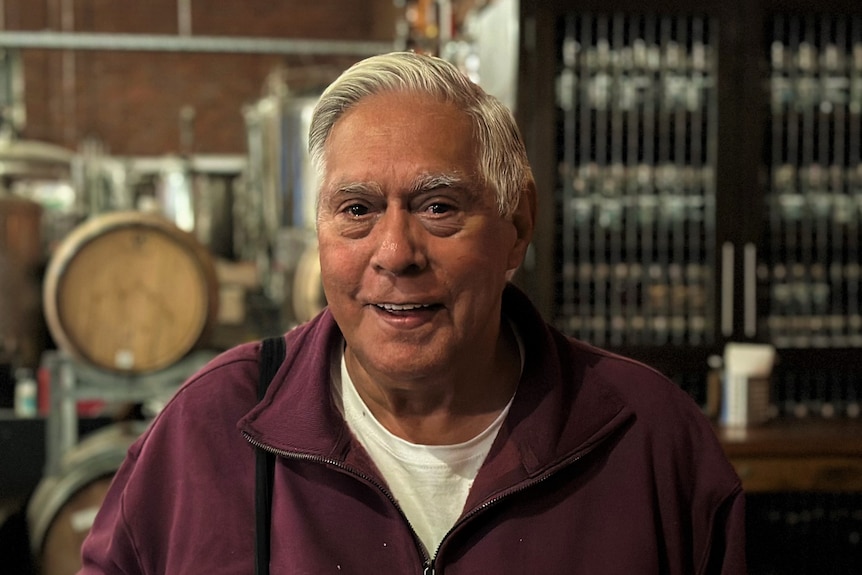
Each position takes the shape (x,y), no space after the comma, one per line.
(430,482)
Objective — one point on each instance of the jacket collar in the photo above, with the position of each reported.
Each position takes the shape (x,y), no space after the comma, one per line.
(560,410)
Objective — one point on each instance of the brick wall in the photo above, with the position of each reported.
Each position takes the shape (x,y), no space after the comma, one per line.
(132,101)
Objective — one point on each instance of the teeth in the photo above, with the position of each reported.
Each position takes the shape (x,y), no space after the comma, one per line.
(404,307)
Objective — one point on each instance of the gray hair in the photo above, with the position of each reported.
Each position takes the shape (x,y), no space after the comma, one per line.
(503,162)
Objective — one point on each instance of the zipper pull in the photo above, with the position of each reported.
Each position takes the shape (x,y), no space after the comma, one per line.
(429,570)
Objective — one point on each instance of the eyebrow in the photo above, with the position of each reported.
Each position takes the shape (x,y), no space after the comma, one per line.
(358,188)
(423,183)
(428,182)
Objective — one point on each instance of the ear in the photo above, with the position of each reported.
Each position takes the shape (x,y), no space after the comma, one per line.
(524,220)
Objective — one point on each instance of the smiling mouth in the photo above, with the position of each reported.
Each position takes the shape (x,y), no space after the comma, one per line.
(395,308)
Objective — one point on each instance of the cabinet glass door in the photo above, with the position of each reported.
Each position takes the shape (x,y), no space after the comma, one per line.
(808,270)
(635,231)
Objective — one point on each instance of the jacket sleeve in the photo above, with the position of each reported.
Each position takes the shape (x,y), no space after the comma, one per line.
(109,547)
(727,548)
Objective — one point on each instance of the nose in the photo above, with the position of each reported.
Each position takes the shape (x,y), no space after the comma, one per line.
(399,248)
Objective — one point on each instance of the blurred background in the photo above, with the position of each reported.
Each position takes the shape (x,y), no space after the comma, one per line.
(699,166)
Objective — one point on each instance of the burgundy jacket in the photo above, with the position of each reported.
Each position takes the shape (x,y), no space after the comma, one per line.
(602,466)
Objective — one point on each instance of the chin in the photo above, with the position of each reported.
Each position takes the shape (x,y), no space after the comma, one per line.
(400,361)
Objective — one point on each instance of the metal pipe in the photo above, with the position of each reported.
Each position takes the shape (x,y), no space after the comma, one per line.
(173,43)
(727,263)
(184,18)
(68,75)
(750,289)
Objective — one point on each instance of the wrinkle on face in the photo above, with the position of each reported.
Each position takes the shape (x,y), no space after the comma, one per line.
(400,158)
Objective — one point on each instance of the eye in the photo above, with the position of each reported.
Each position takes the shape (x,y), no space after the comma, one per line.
(438,208)
(356,210)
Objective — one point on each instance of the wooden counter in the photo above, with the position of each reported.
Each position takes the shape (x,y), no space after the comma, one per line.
(797,455)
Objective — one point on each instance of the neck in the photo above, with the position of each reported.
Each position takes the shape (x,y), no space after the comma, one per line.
(446,408)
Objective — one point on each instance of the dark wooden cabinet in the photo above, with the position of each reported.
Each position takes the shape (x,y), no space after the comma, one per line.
(803,483)
(700,175)
(699,166)
(811,455)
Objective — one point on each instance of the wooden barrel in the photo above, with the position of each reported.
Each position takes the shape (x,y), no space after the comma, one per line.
(21,337)
(63,506)
(130,292)
(20,234)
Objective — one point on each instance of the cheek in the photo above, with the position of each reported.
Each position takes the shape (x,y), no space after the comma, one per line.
(479,271)
(494,253)
(341,267)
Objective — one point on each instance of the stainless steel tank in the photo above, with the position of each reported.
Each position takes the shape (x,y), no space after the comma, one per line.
(196,193)
(276,218)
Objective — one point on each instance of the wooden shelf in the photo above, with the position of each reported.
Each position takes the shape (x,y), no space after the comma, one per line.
(797,455)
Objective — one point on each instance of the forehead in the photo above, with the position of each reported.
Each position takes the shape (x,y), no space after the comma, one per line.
(400,130)
(404,105)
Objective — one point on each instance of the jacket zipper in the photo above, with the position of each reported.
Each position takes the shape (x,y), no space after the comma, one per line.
(428,562)
(513,491)
(493,501)
(428,567)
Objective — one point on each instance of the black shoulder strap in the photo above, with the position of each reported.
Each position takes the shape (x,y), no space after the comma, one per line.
(272,354)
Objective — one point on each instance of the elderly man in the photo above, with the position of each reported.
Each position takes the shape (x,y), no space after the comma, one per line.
(427,421)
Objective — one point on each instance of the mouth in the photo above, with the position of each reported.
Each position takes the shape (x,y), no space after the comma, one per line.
(406,307)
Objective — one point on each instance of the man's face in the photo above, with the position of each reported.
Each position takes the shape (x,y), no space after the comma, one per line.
(413,251)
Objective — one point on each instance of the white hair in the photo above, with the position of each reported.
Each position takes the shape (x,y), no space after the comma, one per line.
(503,162)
